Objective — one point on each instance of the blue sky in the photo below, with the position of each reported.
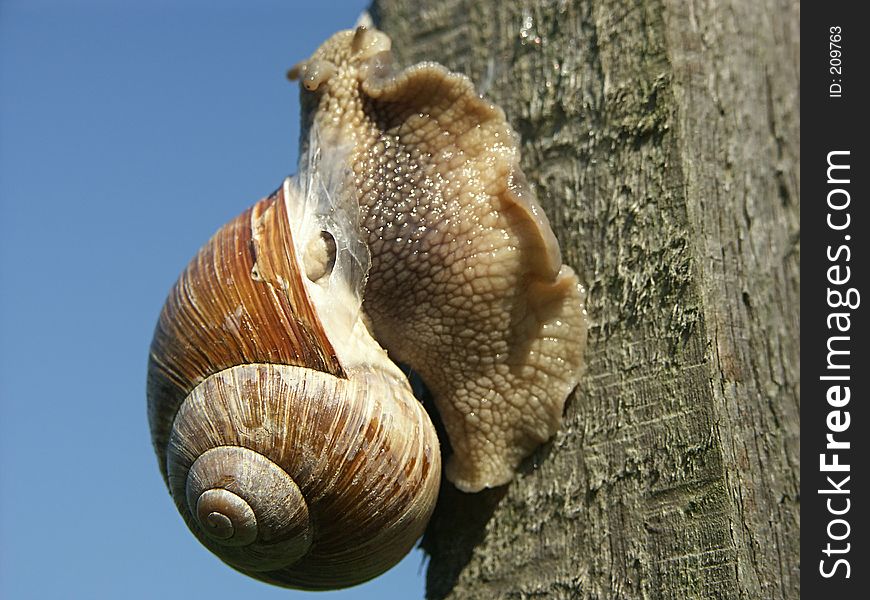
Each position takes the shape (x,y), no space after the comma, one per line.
(129,132)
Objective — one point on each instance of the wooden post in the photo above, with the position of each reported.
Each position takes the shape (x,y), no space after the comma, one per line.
(662,138)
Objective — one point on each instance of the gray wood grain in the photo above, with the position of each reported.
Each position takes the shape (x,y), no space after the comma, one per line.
(662,138)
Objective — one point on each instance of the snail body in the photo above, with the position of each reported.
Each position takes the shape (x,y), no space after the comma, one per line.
(466,284)
(290,442)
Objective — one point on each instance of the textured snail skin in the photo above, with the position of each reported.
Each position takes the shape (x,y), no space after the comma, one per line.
(466,284)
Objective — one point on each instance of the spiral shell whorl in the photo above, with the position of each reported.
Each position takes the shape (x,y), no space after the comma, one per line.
(223,515)
(359,495)
(249,510)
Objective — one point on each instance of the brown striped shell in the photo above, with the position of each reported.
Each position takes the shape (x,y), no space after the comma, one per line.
(292,446)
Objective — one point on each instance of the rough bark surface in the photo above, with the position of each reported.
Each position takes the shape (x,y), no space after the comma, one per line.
(662,139)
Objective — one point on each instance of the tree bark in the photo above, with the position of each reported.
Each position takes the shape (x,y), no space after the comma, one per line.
(662,138)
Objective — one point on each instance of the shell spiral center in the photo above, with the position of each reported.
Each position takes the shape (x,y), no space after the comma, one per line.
(248,507)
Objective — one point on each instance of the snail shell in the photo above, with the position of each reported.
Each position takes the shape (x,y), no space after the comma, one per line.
(291,444)
(293,447)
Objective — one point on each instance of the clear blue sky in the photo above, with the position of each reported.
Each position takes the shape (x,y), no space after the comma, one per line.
(129,132)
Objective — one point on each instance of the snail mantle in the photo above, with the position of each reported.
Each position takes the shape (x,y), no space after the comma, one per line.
(291,443)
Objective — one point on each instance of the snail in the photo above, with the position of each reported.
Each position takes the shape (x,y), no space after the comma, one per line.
(291,443)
